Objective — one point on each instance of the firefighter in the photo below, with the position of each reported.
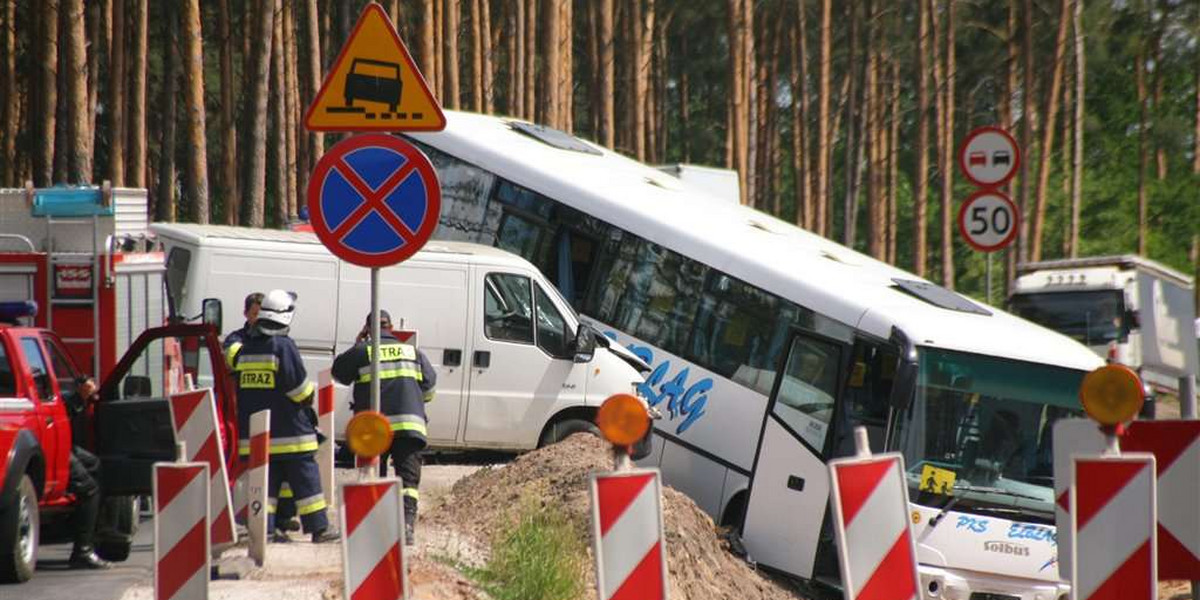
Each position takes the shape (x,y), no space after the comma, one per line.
(83,482)
(271,375)
(285,514)
(406,384)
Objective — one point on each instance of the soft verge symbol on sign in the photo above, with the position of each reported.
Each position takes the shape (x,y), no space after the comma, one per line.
(988,220)
(374,200)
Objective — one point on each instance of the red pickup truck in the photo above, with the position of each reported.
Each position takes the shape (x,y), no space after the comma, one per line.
(126,424)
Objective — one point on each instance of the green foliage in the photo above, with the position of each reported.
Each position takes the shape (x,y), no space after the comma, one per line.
(536,556)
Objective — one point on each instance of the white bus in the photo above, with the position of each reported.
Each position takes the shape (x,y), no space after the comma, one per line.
(718,298)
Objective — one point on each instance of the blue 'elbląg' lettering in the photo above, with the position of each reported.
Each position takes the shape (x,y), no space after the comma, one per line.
(1037,533)
(683,401)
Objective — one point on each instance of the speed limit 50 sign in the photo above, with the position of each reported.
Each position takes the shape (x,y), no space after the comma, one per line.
(988,220)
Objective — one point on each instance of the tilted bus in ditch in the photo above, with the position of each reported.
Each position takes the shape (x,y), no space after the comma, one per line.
(719,298)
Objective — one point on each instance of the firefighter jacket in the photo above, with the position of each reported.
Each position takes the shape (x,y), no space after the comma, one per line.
(270,375)
(233,343)
(406,381)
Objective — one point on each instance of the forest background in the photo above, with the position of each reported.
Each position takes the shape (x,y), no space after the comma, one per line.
(840,116)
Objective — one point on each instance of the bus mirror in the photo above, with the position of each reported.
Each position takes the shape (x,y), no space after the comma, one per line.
(905,382)
(584,344)
(210,312)
(1132,321)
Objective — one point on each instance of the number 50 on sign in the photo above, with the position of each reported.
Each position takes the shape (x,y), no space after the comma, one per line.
(988,221)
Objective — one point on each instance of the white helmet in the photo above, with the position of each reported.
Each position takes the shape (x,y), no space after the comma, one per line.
(278,307)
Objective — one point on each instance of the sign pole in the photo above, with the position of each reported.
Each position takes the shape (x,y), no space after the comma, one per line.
(989,277)
(375,339)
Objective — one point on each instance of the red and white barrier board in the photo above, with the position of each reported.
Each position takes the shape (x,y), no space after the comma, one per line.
(1114,522)
(875,544)
(1176,449)
(326,424)
(194,419)
(181,533)
(256,484)
(1071,437)
(373,542)
(627,529)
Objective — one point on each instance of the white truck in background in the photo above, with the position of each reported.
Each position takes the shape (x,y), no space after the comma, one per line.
(1129,309)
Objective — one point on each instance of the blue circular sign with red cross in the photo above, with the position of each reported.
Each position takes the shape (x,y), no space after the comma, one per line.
(374,200)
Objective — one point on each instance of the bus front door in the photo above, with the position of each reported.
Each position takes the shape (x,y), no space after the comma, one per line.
(789,486)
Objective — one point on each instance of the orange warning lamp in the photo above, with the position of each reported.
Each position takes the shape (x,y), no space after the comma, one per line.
(369,434)
(1112,394)
(623,419)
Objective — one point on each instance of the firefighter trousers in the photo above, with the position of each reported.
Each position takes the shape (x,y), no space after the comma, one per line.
(83,482)
(407,461)
(304,478)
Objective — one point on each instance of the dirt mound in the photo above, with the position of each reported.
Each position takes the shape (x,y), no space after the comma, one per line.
(700,565)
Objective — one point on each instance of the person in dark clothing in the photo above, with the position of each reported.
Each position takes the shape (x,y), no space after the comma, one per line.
(406,382)
(285,515)
(83,482)
(271,376)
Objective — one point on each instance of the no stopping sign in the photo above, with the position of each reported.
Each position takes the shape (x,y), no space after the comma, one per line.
(988,220)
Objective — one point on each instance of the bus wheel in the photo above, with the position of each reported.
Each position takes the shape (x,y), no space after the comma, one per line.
(561,430)
(19,534)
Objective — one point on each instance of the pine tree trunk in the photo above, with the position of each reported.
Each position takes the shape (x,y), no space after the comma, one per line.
(294,190)
(135,173)
(921,177)
(477,89)
(531,56)
(749,129)
(277,152)
(193,55)
(1026,137)
(549,109)
(62,114)
(116,104)
(47,104)
(823,133)
(798,55)
(79,136)
(566,95)
(606,81)
(948,150)
(893,216)
(852,145)
(428,45)
(312,33)
(516,59)
(11,109)
(486,64)
(96,44)
(165,197)
(939,95)
(1048,129)
(1077,156)
(1143,229)
(254,129)
(229,184)
(450,58)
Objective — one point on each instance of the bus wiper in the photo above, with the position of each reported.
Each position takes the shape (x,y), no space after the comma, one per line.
(998,491)
(988,490)
(942,512)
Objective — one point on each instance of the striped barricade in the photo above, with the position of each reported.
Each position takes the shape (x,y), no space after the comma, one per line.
(875,544)
(1114,522)
(256,484)
(194,419)
(1176,449)
(181,533)
(627,531)
(373,541)
(327,426)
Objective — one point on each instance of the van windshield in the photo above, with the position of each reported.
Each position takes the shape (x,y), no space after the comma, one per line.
(178,262)
(980,430)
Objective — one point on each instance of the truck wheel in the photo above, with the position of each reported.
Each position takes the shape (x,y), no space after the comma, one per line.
(119,524)
(561,430)
(19,535)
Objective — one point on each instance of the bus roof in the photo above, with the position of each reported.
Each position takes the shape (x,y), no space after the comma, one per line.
(762,250)
(306,242)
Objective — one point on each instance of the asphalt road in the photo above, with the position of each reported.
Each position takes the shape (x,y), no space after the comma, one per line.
(53,581)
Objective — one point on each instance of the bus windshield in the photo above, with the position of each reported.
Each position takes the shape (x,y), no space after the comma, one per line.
(979,432)
(1093,318)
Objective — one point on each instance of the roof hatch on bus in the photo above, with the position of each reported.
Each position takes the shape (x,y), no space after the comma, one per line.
(939,296)
(553,137)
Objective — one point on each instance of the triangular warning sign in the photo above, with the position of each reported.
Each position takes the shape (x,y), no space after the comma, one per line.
(374,84)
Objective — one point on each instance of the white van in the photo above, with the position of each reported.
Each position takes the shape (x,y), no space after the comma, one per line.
(515,368)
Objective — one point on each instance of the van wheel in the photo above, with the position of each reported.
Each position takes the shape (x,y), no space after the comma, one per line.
(561,430)
(19,534)
(119,523)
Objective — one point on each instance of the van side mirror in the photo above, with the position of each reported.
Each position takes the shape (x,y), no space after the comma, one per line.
(584,344)
(210,312)
(905,382)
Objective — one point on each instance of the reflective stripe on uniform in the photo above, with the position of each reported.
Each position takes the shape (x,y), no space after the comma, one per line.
(285,490)
(302,391)
(310,505)
(231,353)
(408,423)
(257,362)
(244,447)
(271,502)
(412,493)
(299,443)
(392,370)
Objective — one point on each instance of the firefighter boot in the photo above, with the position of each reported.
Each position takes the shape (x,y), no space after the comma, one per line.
(325,536)
(84,557)
(410,520)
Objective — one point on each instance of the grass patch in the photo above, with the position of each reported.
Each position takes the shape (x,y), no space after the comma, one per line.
(537,556)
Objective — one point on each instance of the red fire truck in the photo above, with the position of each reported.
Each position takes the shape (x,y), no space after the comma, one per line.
(82,254)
